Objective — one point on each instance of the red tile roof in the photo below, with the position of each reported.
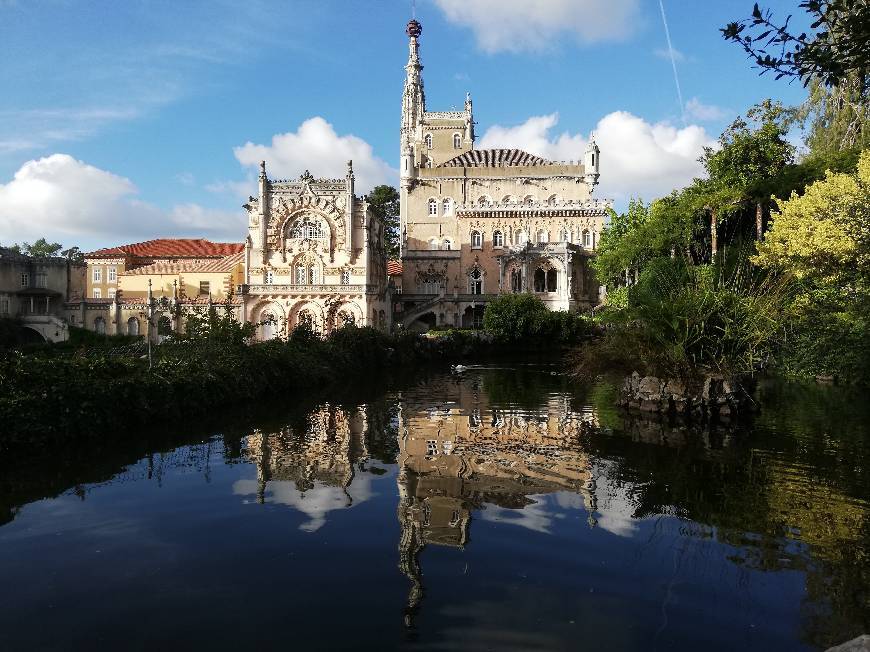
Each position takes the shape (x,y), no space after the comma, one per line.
(487,158)
(394,268)
(171,248)
(225,264)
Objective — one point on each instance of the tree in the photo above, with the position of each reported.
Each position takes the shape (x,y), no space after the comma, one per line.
(384,202)
(42,248)
(824,233)
(74,254)
(822,239)
(753,154)
(839,116)
(834,63)
(836,48)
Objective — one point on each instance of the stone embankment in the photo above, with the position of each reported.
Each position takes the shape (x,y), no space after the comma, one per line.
(713,397)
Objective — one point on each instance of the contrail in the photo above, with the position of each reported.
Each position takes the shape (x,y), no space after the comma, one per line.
(673,63)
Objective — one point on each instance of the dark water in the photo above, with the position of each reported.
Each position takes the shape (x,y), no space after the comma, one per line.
(504,510)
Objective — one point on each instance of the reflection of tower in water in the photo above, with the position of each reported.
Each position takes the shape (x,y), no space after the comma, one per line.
(459,453)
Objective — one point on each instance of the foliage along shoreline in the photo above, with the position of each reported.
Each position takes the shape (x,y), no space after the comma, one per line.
(60,392)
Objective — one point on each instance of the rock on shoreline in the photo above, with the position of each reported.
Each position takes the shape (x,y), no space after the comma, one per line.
(713,396)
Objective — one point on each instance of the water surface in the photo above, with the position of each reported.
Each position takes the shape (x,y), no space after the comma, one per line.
(501,509)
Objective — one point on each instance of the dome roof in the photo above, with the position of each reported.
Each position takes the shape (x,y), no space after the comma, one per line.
(489,158)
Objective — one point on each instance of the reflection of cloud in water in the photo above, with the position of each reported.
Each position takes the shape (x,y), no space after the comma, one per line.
(316,502)
(534,517)
(616,502)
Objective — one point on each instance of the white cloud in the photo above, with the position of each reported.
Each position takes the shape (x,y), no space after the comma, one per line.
(315,146)
(696,110)
(665,53)
(185,178)
(519,25)
(316,502)
(59,197)
(535,516)
(638,158)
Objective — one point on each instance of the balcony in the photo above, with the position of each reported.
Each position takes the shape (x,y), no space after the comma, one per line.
(274,288)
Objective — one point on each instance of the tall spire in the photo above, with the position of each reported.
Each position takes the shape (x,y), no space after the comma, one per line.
(413,98)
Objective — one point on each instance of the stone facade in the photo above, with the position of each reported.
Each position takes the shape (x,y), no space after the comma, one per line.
(35,291)
(314,254)
(478,223)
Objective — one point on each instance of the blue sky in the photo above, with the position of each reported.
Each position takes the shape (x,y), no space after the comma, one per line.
(127,120)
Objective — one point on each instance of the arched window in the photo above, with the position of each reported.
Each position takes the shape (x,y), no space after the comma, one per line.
(540,280)
(543,237)
(448,244)
(587,239)
(520,237)
(483,201)
(457,141)
(433,207)
(428,140)
(447,205)
(497,239)
(433,243)
(475,281)
(305,318)
(100,325)
(345,277)
(268,326)
(528,200)
(508,199)
(553,200)
(345,318)
(301,275)
(476,240)
(563,235)
(270,277)
(308,230)
(133,326)
(552,280)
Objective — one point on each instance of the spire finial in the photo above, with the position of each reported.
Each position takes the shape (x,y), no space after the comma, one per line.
(262,169)
(414,28)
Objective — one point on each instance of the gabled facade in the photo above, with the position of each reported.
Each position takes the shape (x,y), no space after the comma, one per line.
(315,255)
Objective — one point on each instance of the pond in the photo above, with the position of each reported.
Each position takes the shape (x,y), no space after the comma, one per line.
(502,508)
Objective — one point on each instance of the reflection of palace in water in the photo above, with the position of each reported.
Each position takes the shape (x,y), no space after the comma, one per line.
(456,454)
(461,452)
(311,466)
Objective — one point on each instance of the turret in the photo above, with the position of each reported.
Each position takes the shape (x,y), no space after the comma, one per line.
(591,163)
(413,98)
(408,169)
(263,207)
(348,223)
(469,129)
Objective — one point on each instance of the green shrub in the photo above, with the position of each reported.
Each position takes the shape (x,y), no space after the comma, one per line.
(523,318)
(682,321)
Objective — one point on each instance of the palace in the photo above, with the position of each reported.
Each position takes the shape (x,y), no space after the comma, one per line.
(474,224)
(479,223)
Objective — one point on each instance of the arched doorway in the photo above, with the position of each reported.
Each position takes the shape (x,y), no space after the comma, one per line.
(100,326)
(133,327)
